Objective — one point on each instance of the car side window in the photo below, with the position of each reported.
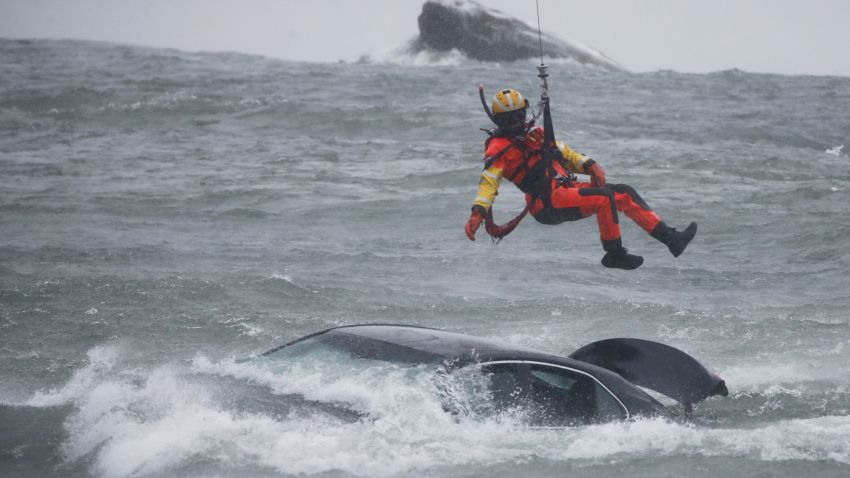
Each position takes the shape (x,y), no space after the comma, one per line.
(550,396)
(572,397)
(504,384)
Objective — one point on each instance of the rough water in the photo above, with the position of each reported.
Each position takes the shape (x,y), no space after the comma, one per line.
(165,214)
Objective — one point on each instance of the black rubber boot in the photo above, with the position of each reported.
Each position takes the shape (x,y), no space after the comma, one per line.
(618,257)
(675,240)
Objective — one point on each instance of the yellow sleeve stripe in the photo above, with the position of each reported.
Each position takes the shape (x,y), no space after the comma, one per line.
(573,160)
(488,187)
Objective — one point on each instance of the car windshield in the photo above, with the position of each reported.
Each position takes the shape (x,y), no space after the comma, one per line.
(342,348)
(342,375)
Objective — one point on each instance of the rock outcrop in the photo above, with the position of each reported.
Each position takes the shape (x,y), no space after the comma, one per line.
(490,35)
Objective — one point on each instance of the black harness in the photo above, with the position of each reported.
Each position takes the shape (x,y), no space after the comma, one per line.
(537,181)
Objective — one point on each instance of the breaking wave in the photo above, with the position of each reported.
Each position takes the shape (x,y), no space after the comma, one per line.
(146,422)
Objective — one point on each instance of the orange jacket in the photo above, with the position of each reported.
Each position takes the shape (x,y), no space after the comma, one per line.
(512,158)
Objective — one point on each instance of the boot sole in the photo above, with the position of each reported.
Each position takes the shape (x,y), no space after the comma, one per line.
(625,267)
(690,232)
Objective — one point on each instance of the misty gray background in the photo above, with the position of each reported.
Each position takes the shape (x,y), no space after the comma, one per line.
(777,36)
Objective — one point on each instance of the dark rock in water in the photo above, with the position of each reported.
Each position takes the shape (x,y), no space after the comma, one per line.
(490,35)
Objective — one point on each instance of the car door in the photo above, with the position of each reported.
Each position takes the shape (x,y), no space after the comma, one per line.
(550,395)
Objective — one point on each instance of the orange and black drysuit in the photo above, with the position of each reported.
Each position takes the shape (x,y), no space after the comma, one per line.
(551,191)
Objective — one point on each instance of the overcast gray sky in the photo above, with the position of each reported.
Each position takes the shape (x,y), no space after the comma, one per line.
(780,36)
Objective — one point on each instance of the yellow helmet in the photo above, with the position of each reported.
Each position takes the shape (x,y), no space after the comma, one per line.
(508,100)
(509,112)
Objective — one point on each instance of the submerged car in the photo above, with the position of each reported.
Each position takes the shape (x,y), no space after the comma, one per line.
(600,382)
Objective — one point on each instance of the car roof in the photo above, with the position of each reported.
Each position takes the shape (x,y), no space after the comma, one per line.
(455,348)
(447,346)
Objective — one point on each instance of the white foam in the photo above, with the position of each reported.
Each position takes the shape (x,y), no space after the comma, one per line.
(244,327)
(101,359)
(403,56)
(140,429)
(283,277)
(836,151)
(787,374)
(753,376)
(140,423)
(471,7)
(811,439)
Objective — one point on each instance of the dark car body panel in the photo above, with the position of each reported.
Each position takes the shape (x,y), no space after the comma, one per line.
(412,344)
(655,366)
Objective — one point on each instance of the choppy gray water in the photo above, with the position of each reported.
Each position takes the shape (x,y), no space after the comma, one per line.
(163,213)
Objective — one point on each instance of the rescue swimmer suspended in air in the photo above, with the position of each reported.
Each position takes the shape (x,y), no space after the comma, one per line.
(544,169)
